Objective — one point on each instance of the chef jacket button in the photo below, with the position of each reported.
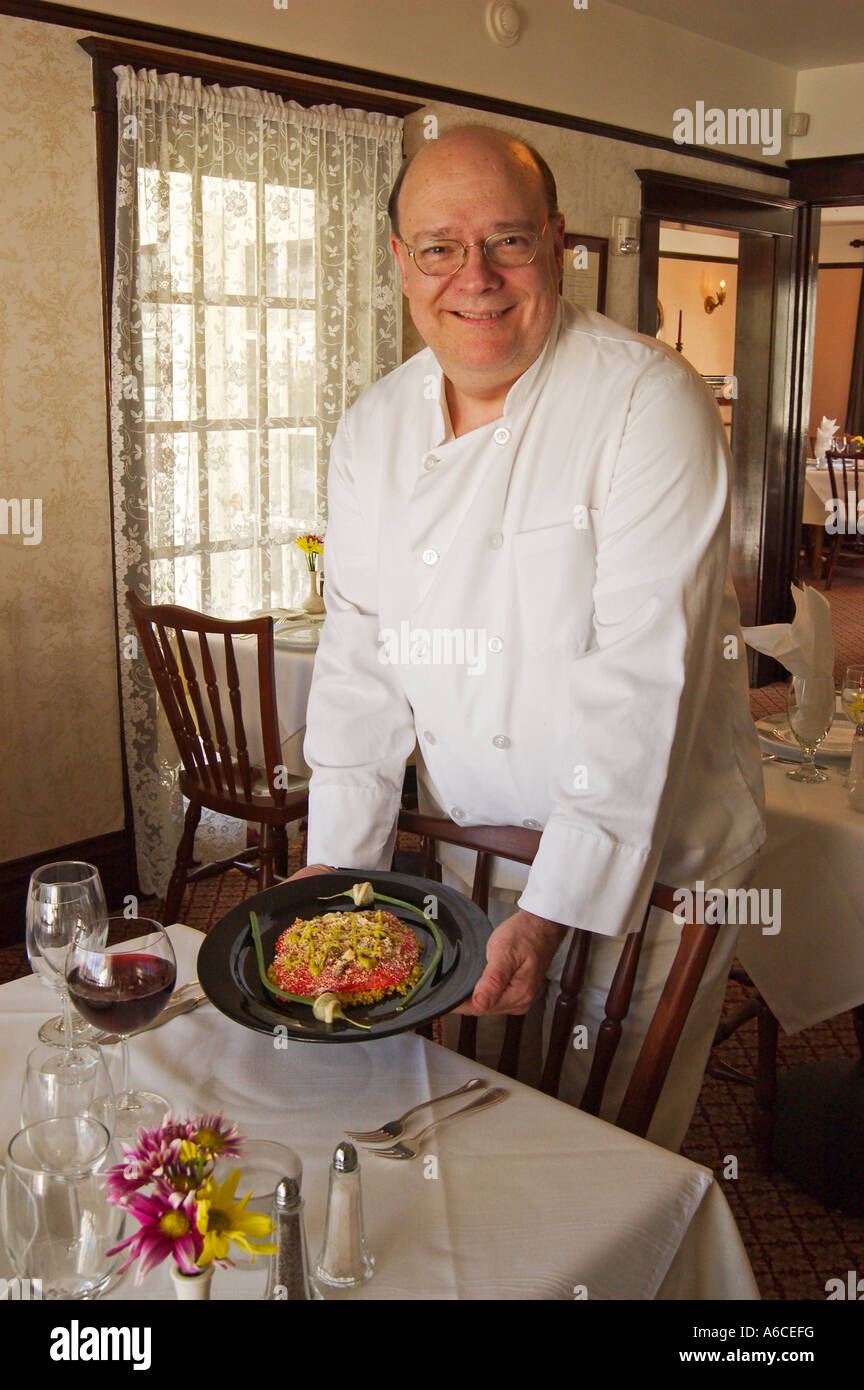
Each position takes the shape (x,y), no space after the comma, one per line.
(532,825)
(496,540)
(502,435)
(501,741)
(458,814)
(495,644)
(429,462)
(429,737)
(430,557)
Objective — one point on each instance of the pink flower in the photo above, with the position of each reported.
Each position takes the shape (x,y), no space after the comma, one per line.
(215,1136)
(168,1226)
(151,1160)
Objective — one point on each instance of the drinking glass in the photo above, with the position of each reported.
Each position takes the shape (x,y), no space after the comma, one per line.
(67,1081)
(263,1164)
(58,1225)
(61,898)
(120,973)
(810,705)
(852,700)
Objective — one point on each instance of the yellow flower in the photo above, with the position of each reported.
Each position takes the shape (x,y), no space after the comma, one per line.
(311,545)
(222,1220)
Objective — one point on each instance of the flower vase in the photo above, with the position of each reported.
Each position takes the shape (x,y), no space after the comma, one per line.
(195,1287)
(313,603)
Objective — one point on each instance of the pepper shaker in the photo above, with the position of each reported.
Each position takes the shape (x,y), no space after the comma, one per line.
(288,1278)
(344,1260)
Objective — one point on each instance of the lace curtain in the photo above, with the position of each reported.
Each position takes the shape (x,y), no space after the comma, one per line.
(255,296)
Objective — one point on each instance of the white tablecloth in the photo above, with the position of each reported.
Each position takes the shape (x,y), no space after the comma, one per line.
(814,853)
(531,1199)
(817,491)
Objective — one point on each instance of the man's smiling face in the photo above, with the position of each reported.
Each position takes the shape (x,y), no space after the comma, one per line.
(485,324)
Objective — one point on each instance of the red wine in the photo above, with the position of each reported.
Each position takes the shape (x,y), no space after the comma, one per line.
(134,992)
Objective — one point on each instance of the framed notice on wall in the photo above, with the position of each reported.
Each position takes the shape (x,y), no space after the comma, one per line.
(584,278)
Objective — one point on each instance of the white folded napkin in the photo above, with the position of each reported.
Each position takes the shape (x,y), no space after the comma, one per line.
(806,648)
(825,437)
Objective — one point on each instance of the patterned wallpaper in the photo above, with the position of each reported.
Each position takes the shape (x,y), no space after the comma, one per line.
(59,722)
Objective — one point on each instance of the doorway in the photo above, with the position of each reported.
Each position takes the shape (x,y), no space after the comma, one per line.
(766,431)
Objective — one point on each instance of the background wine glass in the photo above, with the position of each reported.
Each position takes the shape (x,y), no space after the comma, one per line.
(120,974)
(810,705)
(62,898)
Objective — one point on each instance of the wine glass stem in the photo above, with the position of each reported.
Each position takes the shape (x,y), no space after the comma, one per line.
(68,1039)
(808,760)
(123,1101)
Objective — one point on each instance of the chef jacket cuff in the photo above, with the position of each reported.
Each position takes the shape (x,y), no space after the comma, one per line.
(573,869)
(351,827)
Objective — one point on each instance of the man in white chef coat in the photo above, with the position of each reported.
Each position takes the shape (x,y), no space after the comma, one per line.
(526,553)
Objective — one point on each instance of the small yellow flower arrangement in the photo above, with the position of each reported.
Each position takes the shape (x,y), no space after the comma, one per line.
(312,547)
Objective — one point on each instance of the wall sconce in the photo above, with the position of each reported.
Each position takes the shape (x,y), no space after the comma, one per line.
(713,301)
(625,236)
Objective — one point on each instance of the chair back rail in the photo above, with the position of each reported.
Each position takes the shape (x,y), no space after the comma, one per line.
(658,1047)
(847,490)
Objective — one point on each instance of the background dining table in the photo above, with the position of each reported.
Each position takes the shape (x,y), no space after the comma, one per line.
(531,1199)
(813,968)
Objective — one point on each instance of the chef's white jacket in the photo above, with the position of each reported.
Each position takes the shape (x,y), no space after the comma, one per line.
(541,604)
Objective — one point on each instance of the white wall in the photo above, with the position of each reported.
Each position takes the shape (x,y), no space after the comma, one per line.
(604,62)
(832,98)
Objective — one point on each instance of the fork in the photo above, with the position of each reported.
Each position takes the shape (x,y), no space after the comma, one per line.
(395,1128)
(406,1150)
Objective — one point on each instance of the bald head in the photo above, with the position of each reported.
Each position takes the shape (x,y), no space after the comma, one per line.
(483,147)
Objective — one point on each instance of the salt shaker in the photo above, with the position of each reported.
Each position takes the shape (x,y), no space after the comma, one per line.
(855,782)
(344,1260)
(289,1268)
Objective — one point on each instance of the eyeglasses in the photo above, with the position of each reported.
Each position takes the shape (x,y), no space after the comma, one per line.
(509,250)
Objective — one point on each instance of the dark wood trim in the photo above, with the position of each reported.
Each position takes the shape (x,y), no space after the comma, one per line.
(694,256)
(841,265)
(113,855)
(715,204)
(834,180)
(234,75)
(253,54)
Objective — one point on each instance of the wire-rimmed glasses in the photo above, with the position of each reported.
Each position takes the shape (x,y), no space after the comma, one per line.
(508,250)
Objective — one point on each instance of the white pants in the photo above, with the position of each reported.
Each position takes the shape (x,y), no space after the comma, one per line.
(680,1093)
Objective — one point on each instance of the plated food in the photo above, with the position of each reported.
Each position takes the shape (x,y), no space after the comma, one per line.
(360,957)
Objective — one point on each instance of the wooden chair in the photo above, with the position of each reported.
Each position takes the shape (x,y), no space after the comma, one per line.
(846,472)
(216,770)
(670,1015)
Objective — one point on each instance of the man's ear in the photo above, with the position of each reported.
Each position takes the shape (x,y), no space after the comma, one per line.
(558,243)
(398,249)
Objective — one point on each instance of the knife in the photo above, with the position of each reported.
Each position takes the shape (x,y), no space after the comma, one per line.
(173,1010)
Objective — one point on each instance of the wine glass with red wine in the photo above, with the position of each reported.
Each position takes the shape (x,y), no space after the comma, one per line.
(120,974)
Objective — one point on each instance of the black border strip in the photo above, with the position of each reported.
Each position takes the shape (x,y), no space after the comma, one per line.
(141,31)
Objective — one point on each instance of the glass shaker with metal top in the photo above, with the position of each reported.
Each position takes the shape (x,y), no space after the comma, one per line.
(344,1260)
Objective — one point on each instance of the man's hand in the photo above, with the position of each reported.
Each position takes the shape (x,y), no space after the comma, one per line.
(311,869)
(518,954)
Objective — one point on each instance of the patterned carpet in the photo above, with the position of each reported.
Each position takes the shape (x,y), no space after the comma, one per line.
(795,1245)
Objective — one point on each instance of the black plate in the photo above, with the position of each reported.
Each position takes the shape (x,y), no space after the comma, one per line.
(228,969)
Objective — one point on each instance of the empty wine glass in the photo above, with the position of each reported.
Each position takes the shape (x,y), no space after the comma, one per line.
(810,705)
(67,1081)
(120,974)
(61,898)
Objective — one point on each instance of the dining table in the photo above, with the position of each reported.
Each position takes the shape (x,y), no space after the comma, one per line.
(813,967)
(529,1200)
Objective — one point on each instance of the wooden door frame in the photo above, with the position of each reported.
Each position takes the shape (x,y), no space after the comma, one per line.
(770,546)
